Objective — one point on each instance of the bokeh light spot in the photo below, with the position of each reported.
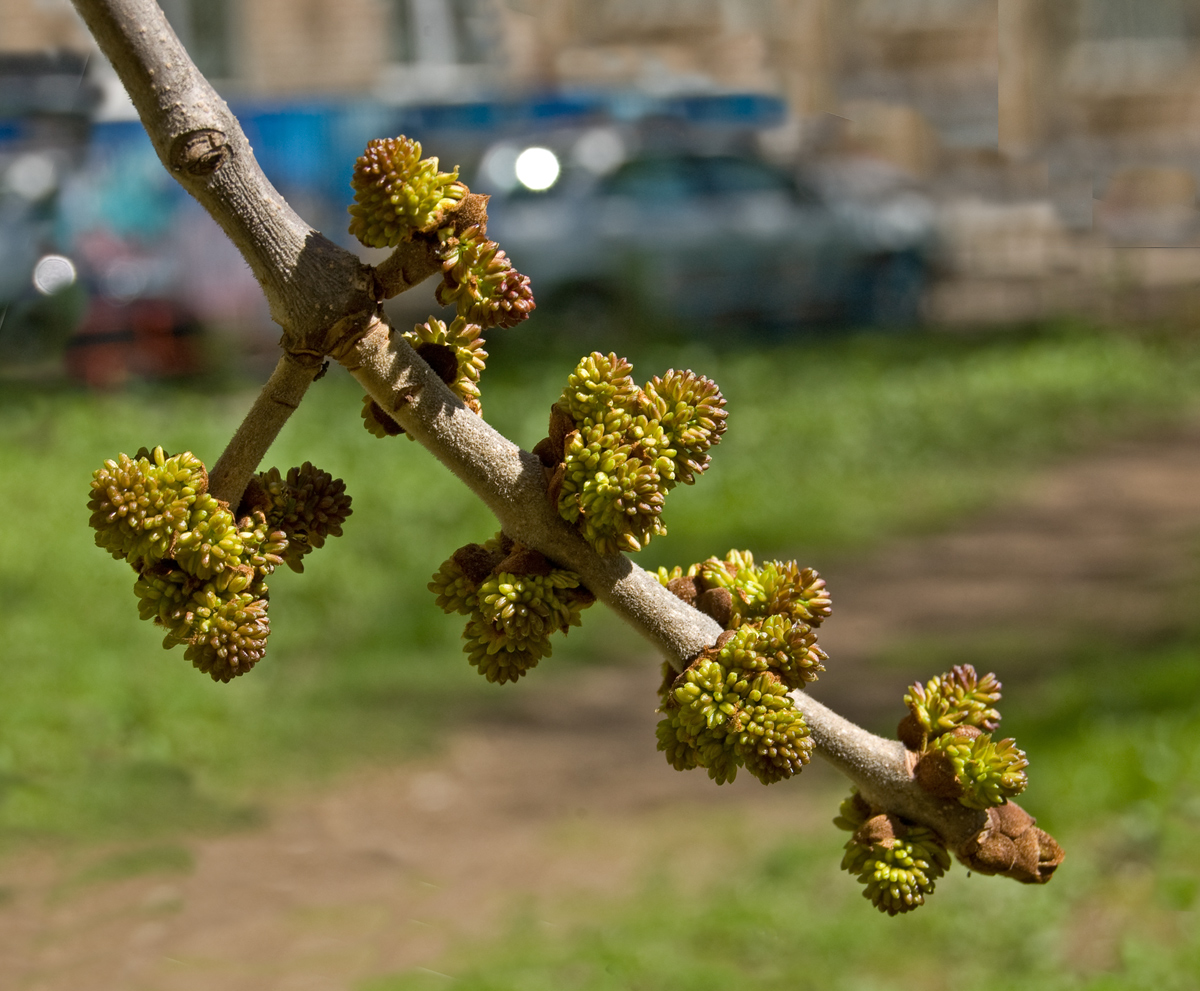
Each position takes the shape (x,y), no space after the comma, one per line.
(537,168)
(52,274)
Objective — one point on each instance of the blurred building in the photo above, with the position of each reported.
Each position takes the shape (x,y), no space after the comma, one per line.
(454,49)
(1055,135)
(1117,75)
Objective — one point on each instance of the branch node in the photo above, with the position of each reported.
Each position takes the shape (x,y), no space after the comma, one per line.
(200,153)
(402,397)
(340,338)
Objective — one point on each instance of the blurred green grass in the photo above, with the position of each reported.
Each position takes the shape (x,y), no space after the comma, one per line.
(833,443)
(1113,735)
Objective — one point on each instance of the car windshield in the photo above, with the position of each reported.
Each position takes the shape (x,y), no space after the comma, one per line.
(656,179)
(731,176)
(679,177)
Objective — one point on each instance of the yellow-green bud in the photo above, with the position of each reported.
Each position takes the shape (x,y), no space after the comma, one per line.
(140,505)
(479,279)
(465,345)
(896,861)
(958,698)
(989,772)
(397,193)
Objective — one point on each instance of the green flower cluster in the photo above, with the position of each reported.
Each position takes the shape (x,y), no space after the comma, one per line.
(731,706)
(614,450)
(397,193)
(720,715)
(201,567)
(309,504)
(454,352)
(141,506)
(783,646)
(774,610)
(958,698)
(479,279)
(987,772)
(225,630)
(950,724)
(775,588)
(896,861)
(515,599)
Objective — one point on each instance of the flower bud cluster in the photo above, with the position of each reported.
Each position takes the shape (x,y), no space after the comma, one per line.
(615,450)
(730,708)
(479,279)
(397,193)
(455,353)
(946,725)
(201,567)
(377,422)
(515,599)
(774,611)
(141,505)
(958,698)
(986,772)
(308,504)
(775,588)
(896,861)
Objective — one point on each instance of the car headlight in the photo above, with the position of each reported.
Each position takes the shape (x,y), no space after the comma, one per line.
(53,273)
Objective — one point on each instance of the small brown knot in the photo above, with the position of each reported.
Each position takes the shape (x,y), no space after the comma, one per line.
(561,426)
(880,829)
(523,560)
(477,561)
(471,212)
(555,483)
(716,603)
(199,153)
(912,734)
(935,774)
(545,453)
(685,588)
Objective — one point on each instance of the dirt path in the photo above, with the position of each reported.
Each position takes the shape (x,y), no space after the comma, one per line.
(565,793)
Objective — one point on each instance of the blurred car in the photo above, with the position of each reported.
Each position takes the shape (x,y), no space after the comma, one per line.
(135,326)
(45,103)
(106,313)
(73,294)
(715,240)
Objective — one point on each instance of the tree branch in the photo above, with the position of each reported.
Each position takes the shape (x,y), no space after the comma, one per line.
(883,771)
(279,397)
(326,301)
(512,483)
